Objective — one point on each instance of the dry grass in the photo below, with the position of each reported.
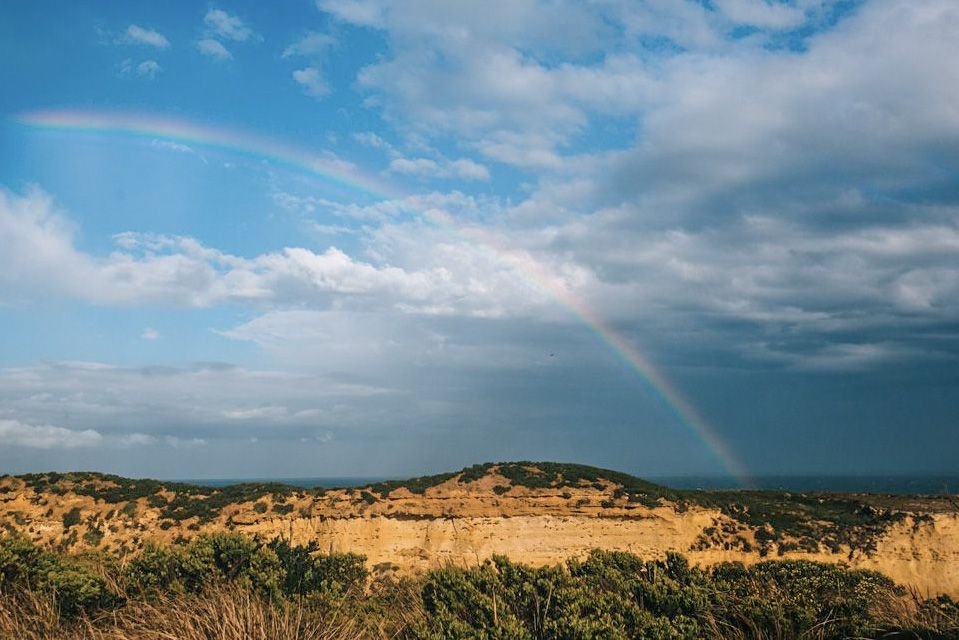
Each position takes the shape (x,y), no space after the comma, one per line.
(224,614)
(914,611)
(233,613)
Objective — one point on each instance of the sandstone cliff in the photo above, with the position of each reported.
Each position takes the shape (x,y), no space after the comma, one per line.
(537,513)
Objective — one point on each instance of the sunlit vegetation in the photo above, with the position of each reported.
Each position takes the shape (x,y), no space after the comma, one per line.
(231,586)
(788,522)
(417,485)
(768,522)
(187,501)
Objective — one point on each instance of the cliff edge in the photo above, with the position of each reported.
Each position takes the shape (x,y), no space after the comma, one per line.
(533,512)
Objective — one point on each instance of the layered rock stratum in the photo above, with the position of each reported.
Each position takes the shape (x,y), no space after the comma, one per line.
(535,513)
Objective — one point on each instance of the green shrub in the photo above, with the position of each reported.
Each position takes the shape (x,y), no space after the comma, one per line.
(206,560)
(156,501)
(414,485)
(77,588)
(188,501)
(19,559)
(608,595)
(93,536)
(305,571)
(71,518)
(158,569)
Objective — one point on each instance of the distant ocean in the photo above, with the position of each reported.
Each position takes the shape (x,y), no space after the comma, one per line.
(896,484)
(306,483)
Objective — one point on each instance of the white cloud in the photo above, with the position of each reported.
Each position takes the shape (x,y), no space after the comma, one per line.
(256,413)
(840,357)
(226,26)
(180,271)
(451,72)
(456,70)
(169,145)
(421,166)
(462,168)
(436,166)
(368,14)
(43,436)
(214,49)
(148,69)
(393,347)
(176,147)
(311,44)
(331,229)
(303,205)
(112,406)
(462,257)
(135,440)
(371,139)
(311,82)
(768,189)
(184,443)
(760,13)
(150,334)
(468,169)
(135,34)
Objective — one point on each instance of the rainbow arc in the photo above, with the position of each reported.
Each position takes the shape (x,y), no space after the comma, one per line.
(285,155)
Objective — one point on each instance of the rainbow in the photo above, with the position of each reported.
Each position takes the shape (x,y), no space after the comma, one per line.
(186,132)
(541,279)
(347,176)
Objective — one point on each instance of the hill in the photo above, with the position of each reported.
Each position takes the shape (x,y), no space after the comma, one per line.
(534,512)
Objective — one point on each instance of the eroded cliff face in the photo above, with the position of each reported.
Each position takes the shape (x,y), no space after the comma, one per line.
(916,542)
(923,555)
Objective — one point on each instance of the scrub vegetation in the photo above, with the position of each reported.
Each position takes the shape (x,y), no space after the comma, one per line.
(229,586)
(175,500)
(771,523)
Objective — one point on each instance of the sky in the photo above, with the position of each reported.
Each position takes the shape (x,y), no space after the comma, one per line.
(374,238)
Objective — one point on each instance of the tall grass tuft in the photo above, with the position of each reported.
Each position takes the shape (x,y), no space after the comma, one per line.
(226,613)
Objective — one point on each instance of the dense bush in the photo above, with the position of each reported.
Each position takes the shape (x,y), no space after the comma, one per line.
(75,584)
(305,571)
(71,518)
(272,569)
(614,595)
(791,597)
(206,560)
(607,595)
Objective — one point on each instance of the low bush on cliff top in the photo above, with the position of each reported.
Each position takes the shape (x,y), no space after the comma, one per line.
(781,521)
(811,520)
(540,475)
(188,500)
(233,586)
